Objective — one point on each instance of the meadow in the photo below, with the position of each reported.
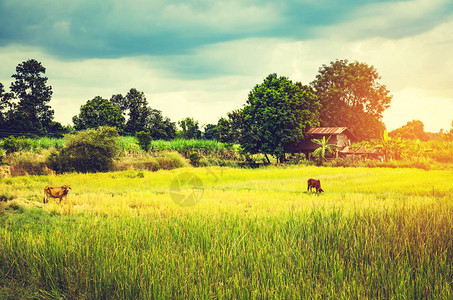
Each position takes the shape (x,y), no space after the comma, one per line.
(245,233)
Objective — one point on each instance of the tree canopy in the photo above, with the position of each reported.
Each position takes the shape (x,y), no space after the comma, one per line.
(98,112)
(190,128)
(31,113)
(140,116)
(352,96)
(413,130)
(276,116)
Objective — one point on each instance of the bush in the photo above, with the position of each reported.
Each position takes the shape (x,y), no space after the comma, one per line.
(12,144)
(23,163)
(194,158)
(144,140)
(442,155)
(90,150)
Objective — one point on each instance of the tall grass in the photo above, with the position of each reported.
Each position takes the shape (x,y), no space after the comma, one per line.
(374,233)
(320,254)
(40,143)
(203,147)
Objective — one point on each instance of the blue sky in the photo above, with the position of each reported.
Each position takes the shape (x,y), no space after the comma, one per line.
(201,58)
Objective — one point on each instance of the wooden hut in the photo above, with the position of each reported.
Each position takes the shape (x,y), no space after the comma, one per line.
(341,137)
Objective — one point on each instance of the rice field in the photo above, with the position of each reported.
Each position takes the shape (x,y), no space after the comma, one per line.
(230,233)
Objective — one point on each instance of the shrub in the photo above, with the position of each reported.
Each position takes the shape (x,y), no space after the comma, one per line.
(23,163)
(90,150)
(144,140)
(194,158)
(442,155)
(12,144)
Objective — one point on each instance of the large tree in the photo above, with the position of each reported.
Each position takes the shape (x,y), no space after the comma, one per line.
(411,131)
(189,128)
(229,129)
(141,117)
(352,96)
(277,116)
(210,132)
(32,112)
(135,108)
(98,112)
(159,127)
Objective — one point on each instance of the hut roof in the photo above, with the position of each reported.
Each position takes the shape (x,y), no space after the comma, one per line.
(330,131)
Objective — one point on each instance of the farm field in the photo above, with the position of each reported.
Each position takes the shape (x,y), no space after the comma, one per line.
(230,233)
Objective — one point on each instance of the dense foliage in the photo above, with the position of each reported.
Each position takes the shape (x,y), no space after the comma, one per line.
(98,112)
(189,128)
(276,117)
(411,131)
(141,117)
(87,151)
(31,114)
(352,96)
(144,140)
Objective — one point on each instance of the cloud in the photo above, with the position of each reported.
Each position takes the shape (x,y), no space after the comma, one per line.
(117,28)
(201,58)
(394,20)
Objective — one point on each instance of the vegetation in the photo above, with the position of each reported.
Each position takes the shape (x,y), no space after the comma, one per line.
(12,144)
(276,117)
(98,112)
(374,233)
(140,117)
(413,130)
(324,148)
(31,114)
(254,233)
(351,95)
(189,129)
(87,151)
(144,140)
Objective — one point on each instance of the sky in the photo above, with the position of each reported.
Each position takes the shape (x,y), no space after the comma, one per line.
(201,58)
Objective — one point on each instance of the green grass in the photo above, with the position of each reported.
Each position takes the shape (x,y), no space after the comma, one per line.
(374,233)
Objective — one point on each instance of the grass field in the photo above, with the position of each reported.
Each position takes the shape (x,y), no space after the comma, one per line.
(374,233)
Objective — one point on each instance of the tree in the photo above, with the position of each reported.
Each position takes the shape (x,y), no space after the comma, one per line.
(98,112)
(351,95)
(140,117)
(31,113)
(190,129)
(411,131)
(277,116)
(210,132)
(229,129)
(159,127)
(134,107)
(5,106)
(323,148)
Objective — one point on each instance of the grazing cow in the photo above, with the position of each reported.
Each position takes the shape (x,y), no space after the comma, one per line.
(314,183)
(55,192)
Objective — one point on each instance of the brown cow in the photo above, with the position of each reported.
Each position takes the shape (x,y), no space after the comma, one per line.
(314,183)
(56,192)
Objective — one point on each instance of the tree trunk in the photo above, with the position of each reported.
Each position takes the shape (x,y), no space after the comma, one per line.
(268,161)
